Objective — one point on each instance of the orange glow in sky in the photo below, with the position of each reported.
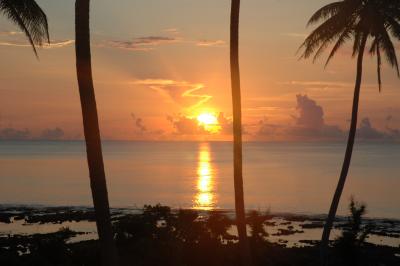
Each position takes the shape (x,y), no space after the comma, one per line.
(173,75)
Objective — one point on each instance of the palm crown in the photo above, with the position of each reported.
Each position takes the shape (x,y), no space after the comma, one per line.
(28,15)
(356,20)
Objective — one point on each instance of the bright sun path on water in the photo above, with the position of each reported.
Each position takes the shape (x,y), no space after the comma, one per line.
(205,197)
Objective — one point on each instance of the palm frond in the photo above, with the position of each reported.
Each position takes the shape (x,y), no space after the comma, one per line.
(376,50)
(341,40)
(390,50)
(379,66)
(29,17)
(324,34)
(394,26)
(325,12)
(359,20)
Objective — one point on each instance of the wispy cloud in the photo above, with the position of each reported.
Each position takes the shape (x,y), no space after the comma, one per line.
(174,31)
(11,133)
(180,92)
(323,85)
(139,124)
(10,33)
(141,131)
(191,93)
(317,83)
(147,43)
(52,134)
(295,34)
(53,44)
(210,43)
(14,134)
(59,44)
(151,42)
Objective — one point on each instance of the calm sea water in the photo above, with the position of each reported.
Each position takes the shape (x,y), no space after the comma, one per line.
(285,177)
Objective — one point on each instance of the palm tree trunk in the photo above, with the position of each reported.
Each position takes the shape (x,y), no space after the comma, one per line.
(92,133)
(237,134)
(347,158)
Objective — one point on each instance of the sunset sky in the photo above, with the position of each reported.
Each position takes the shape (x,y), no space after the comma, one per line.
(160,64)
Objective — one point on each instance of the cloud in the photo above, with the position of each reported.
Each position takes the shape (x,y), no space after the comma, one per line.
(317,84)
(394,133)
(265,129)
(14,134)
(147,43)
(58,44)
(308,124)
(179,92)
(10,133)
(226,124)
(18,39)
(365,131)
(210,43)
(295,34)
(138,122)
(311,115)
(184,125)
(53,44)
(10,33)
(52,134)
(142,132)
(174,31)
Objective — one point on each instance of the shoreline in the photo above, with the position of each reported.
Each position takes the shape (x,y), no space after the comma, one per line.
(230,211)
(286,228)
(156,234)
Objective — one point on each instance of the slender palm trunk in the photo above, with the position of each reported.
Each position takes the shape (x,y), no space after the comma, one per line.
(237,135)
(347,158)
(92,133)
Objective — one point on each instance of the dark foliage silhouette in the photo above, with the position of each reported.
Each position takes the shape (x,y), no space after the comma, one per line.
(256,222)
(218,225)
(160,236)
(188,228)
(348,245)
(30,18)
(92,133)
(359,21)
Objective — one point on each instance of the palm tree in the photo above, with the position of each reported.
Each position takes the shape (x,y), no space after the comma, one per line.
(92,133)
(358,20)
(237,134)
(30,18)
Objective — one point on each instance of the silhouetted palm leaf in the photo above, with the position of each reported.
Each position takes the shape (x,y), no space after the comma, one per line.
(28,15)
(351,19)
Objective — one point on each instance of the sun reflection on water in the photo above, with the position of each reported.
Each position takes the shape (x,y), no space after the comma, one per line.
(205,197)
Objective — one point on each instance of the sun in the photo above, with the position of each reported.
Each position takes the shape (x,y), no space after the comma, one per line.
(207,119)
(209,122)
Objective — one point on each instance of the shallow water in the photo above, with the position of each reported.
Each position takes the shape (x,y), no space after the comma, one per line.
(285,177)
(87,230)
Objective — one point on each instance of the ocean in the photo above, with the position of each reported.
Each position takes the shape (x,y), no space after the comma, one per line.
(281,177)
